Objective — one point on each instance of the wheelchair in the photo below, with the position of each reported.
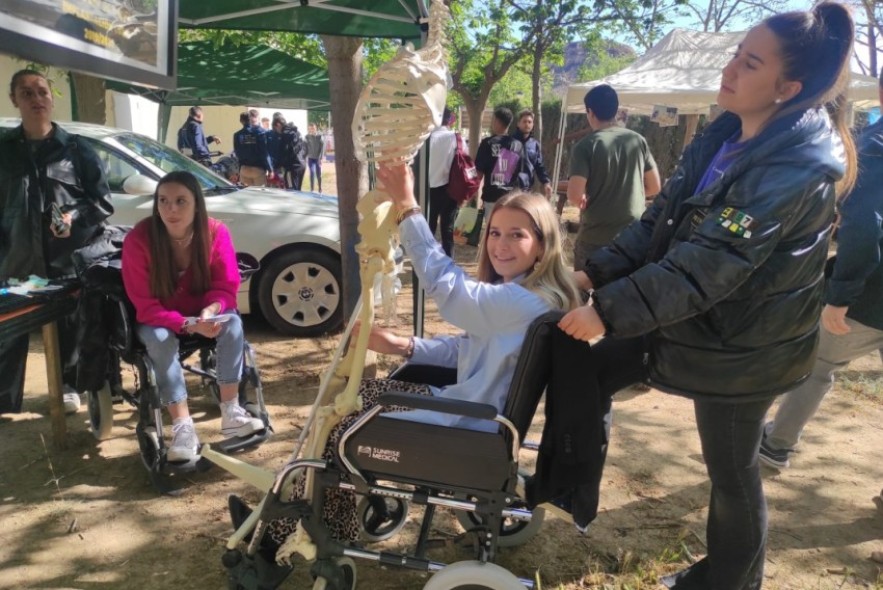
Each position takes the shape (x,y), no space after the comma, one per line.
(392,463)
(197,356)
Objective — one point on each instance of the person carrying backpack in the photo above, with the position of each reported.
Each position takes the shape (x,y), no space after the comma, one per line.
(442,145)
(288,152)
(192,141)
(500,161)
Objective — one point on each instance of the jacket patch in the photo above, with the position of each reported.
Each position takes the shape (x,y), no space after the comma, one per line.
(737,222)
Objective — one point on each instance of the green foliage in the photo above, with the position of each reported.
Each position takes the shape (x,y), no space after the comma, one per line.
(602,63)
(376,53)
(305,47)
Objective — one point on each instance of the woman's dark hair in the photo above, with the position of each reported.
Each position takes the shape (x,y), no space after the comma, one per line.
(815,47)
(163,275)
(21,74)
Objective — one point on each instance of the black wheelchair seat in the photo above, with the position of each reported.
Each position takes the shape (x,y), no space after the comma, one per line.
(380,447)
(430,455)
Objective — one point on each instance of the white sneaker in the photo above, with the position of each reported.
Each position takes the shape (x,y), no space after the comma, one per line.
(235,421)
(184,443)
(71,401)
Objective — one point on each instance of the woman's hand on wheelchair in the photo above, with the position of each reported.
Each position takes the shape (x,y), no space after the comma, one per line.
(383,341)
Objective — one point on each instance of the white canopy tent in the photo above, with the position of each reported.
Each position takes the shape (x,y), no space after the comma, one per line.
(683,70)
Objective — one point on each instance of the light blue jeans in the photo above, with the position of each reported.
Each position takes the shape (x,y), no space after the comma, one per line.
(162,348)
(797,407)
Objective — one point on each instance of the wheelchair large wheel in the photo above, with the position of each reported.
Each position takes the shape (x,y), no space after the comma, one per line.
(473,575)
(348,566)
(512,532)
(381,517)
(100,405)
(148,445)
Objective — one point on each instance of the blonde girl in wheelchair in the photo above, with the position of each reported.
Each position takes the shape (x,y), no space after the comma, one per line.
(521,275)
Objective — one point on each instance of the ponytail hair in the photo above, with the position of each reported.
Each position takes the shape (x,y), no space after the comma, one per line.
(815,48)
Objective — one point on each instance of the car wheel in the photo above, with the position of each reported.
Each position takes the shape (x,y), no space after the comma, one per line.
(300,292)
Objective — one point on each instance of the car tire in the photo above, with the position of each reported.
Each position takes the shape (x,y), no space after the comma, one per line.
(300,292)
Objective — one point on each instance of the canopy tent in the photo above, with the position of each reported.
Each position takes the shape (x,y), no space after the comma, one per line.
(254,75)
(683,70)
(396,19)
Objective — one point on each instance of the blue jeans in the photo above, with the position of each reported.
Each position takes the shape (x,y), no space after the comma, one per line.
(162,349)
(315,172)
(736,531)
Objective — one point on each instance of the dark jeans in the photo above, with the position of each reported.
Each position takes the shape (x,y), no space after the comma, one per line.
(293,177)
(14,358)
(444,207)
(315,172)
(737,513)
(730,435)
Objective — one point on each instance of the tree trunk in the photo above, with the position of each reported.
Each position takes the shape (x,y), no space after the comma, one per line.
(344,56)
(536,94)
(475,112)
(88,100)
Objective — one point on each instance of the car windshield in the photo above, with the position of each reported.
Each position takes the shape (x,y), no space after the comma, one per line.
(169,160)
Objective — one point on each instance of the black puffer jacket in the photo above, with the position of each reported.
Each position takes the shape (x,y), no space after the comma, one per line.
(727,283)
(64,170)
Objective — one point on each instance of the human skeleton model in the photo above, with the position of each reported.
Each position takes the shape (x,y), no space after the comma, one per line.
(396,112)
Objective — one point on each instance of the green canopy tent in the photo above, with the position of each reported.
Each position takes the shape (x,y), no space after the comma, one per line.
(391,19)
(395,19)
(254,75)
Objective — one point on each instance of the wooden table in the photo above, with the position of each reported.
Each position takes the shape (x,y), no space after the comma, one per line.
(44,315)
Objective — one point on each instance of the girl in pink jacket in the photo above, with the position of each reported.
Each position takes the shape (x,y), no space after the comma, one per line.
(179,263)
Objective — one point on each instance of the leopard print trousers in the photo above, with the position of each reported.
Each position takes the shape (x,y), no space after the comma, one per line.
(339,511)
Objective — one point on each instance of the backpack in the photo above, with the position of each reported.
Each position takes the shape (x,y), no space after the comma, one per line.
(463,181)
(509,165)
(292,148)
(183,143)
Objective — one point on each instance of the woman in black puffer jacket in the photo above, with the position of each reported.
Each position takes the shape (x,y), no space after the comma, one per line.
(721,279)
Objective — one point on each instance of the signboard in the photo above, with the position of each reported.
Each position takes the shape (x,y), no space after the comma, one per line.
(128,40)
(665,116)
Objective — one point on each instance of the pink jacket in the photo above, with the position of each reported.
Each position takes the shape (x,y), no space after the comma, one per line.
(170,312)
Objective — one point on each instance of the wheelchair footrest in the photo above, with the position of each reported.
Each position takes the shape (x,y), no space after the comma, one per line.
(239,443)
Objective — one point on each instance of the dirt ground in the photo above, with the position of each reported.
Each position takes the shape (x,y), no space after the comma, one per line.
(87,517)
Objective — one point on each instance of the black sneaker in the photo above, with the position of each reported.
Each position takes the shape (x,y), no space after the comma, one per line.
(777,458)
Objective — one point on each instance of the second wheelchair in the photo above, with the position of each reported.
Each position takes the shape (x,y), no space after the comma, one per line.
(197,356)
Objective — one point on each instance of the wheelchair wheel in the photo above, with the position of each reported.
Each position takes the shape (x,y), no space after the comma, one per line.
(148,445)
(100,405)
(473,575)
(348,567)
(512,532)
(381,518)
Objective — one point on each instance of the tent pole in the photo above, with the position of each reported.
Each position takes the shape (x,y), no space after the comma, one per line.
(164,114)
(691,123)
(559,149)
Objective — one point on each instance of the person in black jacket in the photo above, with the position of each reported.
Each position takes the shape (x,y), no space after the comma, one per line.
(192,140)
(41,164)
(852,319)
(536,169)
(722,275)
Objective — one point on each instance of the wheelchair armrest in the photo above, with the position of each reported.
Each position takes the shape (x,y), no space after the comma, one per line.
(428,374)
(439,404)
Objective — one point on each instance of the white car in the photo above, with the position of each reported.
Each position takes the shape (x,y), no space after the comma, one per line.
(295,235)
